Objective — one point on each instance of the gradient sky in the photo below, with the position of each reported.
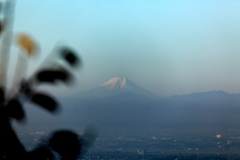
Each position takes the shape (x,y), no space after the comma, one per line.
(168,47)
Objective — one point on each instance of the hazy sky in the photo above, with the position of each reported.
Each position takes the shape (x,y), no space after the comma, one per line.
(168,47)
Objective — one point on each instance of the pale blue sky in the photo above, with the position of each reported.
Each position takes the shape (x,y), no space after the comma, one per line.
(168,47)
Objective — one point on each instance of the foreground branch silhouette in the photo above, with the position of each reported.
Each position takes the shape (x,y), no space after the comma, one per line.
(66,144)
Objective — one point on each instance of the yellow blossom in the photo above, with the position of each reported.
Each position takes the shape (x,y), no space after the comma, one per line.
(26,43)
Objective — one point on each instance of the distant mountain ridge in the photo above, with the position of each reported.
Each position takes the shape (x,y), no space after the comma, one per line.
(220,94)
(120,102)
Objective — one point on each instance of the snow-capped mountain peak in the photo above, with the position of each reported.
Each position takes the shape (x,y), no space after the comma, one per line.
(117,86)
(116,83)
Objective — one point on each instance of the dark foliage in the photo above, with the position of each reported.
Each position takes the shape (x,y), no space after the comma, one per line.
(44,101)
(15,110)
(69,56)
(41,153)
(52,76)
(66,143)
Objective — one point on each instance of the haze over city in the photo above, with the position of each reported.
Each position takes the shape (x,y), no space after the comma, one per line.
(152,79)
(168,47)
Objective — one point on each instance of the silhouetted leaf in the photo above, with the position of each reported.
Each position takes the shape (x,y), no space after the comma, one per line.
(25,88)
(1,27)
(69,56)
(66,143)
(2,95)
(52,76)
(90,133)
(41,153)
(15,110)
(44,101)
(89,136)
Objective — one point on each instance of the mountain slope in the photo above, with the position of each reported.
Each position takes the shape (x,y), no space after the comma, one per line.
(207,109)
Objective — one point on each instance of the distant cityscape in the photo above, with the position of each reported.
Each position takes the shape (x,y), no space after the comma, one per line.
(185,53)
(134,124)
(153,144)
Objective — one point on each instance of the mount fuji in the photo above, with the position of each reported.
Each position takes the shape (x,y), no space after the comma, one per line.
(117,86)
(126,104)
(120,102)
